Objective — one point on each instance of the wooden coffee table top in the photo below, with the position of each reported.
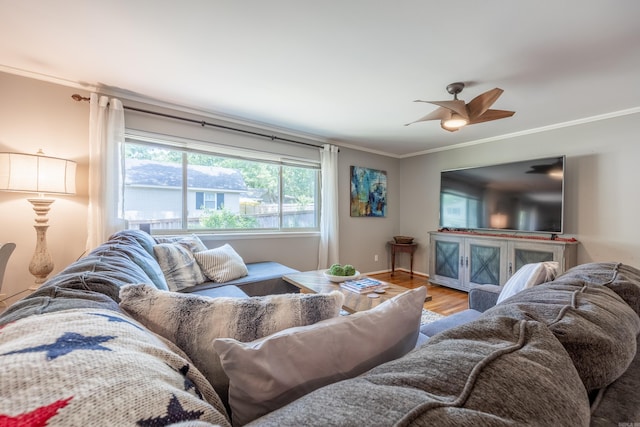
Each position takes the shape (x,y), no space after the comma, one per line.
(315,282)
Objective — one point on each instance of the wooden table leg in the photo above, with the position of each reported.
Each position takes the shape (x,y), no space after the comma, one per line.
(393,259)
(399,248)
(411,262)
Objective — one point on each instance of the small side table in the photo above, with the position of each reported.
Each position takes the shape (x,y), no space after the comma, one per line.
(399,248)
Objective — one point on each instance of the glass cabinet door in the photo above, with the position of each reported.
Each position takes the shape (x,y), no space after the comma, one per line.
(485,262)
(530,252)
(447,255)
(524,256)
(446,265)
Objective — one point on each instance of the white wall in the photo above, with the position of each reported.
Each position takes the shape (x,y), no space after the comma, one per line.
(602,179)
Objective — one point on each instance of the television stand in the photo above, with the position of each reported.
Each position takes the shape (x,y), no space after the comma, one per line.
(459,260)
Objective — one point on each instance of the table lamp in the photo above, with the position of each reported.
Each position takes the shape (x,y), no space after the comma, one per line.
(39,174)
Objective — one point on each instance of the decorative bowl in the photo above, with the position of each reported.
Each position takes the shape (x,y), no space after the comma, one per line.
(403,239)
(340,279)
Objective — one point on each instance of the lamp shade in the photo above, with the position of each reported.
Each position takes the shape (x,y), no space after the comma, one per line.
(37,174)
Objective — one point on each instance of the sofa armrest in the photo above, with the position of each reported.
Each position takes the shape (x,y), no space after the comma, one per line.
(483,297)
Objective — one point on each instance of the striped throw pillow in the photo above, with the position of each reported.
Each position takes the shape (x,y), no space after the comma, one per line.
(178,265)
(192,242)
(193,322)
(221,264)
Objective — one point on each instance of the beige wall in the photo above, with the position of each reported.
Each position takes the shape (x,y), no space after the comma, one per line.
(361,238)
(602,188)
(37,115)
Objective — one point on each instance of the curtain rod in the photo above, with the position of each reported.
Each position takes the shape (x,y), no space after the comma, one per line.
(203,123)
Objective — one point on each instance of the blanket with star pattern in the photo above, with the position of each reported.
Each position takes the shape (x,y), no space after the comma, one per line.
(97,367)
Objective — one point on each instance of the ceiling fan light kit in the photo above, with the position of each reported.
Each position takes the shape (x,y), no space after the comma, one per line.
(455,122)
(455,114)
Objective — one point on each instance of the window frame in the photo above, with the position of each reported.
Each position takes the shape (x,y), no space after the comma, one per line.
(187,146)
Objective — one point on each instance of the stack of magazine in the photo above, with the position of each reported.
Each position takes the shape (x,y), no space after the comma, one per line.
(363,285)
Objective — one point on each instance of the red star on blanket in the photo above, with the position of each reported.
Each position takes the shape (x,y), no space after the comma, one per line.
(36,418)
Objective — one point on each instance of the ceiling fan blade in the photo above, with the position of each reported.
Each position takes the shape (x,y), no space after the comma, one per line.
(482,102)
(489,115)
(456,105)
(437,114)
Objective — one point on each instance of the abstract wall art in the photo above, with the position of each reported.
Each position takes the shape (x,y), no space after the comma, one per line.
(368,192)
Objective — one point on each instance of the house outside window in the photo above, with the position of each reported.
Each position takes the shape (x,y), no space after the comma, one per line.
(169,188)
(208,200)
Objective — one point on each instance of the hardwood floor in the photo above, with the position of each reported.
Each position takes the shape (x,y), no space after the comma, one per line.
(445,300)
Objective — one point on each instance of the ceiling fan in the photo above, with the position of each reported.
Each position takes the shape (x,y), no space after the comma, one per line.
(554,169)
(455,114)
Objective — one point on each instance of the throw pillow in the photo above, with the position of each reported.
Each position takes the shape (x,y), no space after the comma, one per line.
(191,242)
(221,264)
(93,367)
(492,372)
(527,276)
(271,372)
(193,322)
(178,265)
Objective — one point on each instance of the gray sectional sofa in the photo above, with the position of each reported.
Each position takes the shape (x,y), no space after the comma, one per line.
(560,353)
(264,278)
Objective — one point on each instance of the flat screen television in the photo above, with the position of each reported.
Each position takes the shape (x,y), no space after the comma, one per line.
(524,196)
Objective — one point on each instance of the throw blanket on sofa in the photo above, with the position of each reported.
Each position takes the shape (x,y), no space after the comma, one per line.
(97,367)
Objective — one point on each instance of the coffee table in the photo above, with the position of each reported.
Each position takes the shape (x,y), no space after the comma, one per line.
(315,282)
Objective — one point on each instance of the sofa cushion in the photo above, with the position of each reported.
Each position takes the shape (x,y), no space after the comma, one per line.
(222,291)
(127,246)
(49,299)
(193,322)
(140,237)
(527,276)
(180,268)
(270,372)
(623,279)
(448,322)
(483,297)
(93,367)
(595,326)
(264,278)
(619,402)
(626,283)
(494,371)
(102,271)
(221,264)
(191,242)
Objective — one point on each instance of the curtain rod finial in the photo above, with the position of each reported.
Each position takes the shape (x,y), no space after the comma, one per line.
(77,97)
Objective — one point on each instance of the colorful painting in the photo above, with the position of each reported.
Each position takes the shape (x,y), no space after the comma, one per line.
(368,192)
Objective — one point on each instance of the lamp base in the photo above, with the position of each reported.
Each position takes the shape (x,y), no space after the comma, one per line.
(41,263)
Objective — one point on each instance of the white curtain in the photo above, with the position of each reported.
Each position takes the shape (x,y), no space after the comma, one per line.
(329,244)
(106,138)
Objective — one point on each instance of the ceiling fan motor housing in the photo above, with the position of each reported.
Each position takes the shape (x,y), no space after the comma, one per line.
(455,88)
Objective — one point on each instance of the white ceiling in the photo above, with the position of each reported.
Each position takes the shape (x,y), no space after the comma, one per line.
(341,70)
